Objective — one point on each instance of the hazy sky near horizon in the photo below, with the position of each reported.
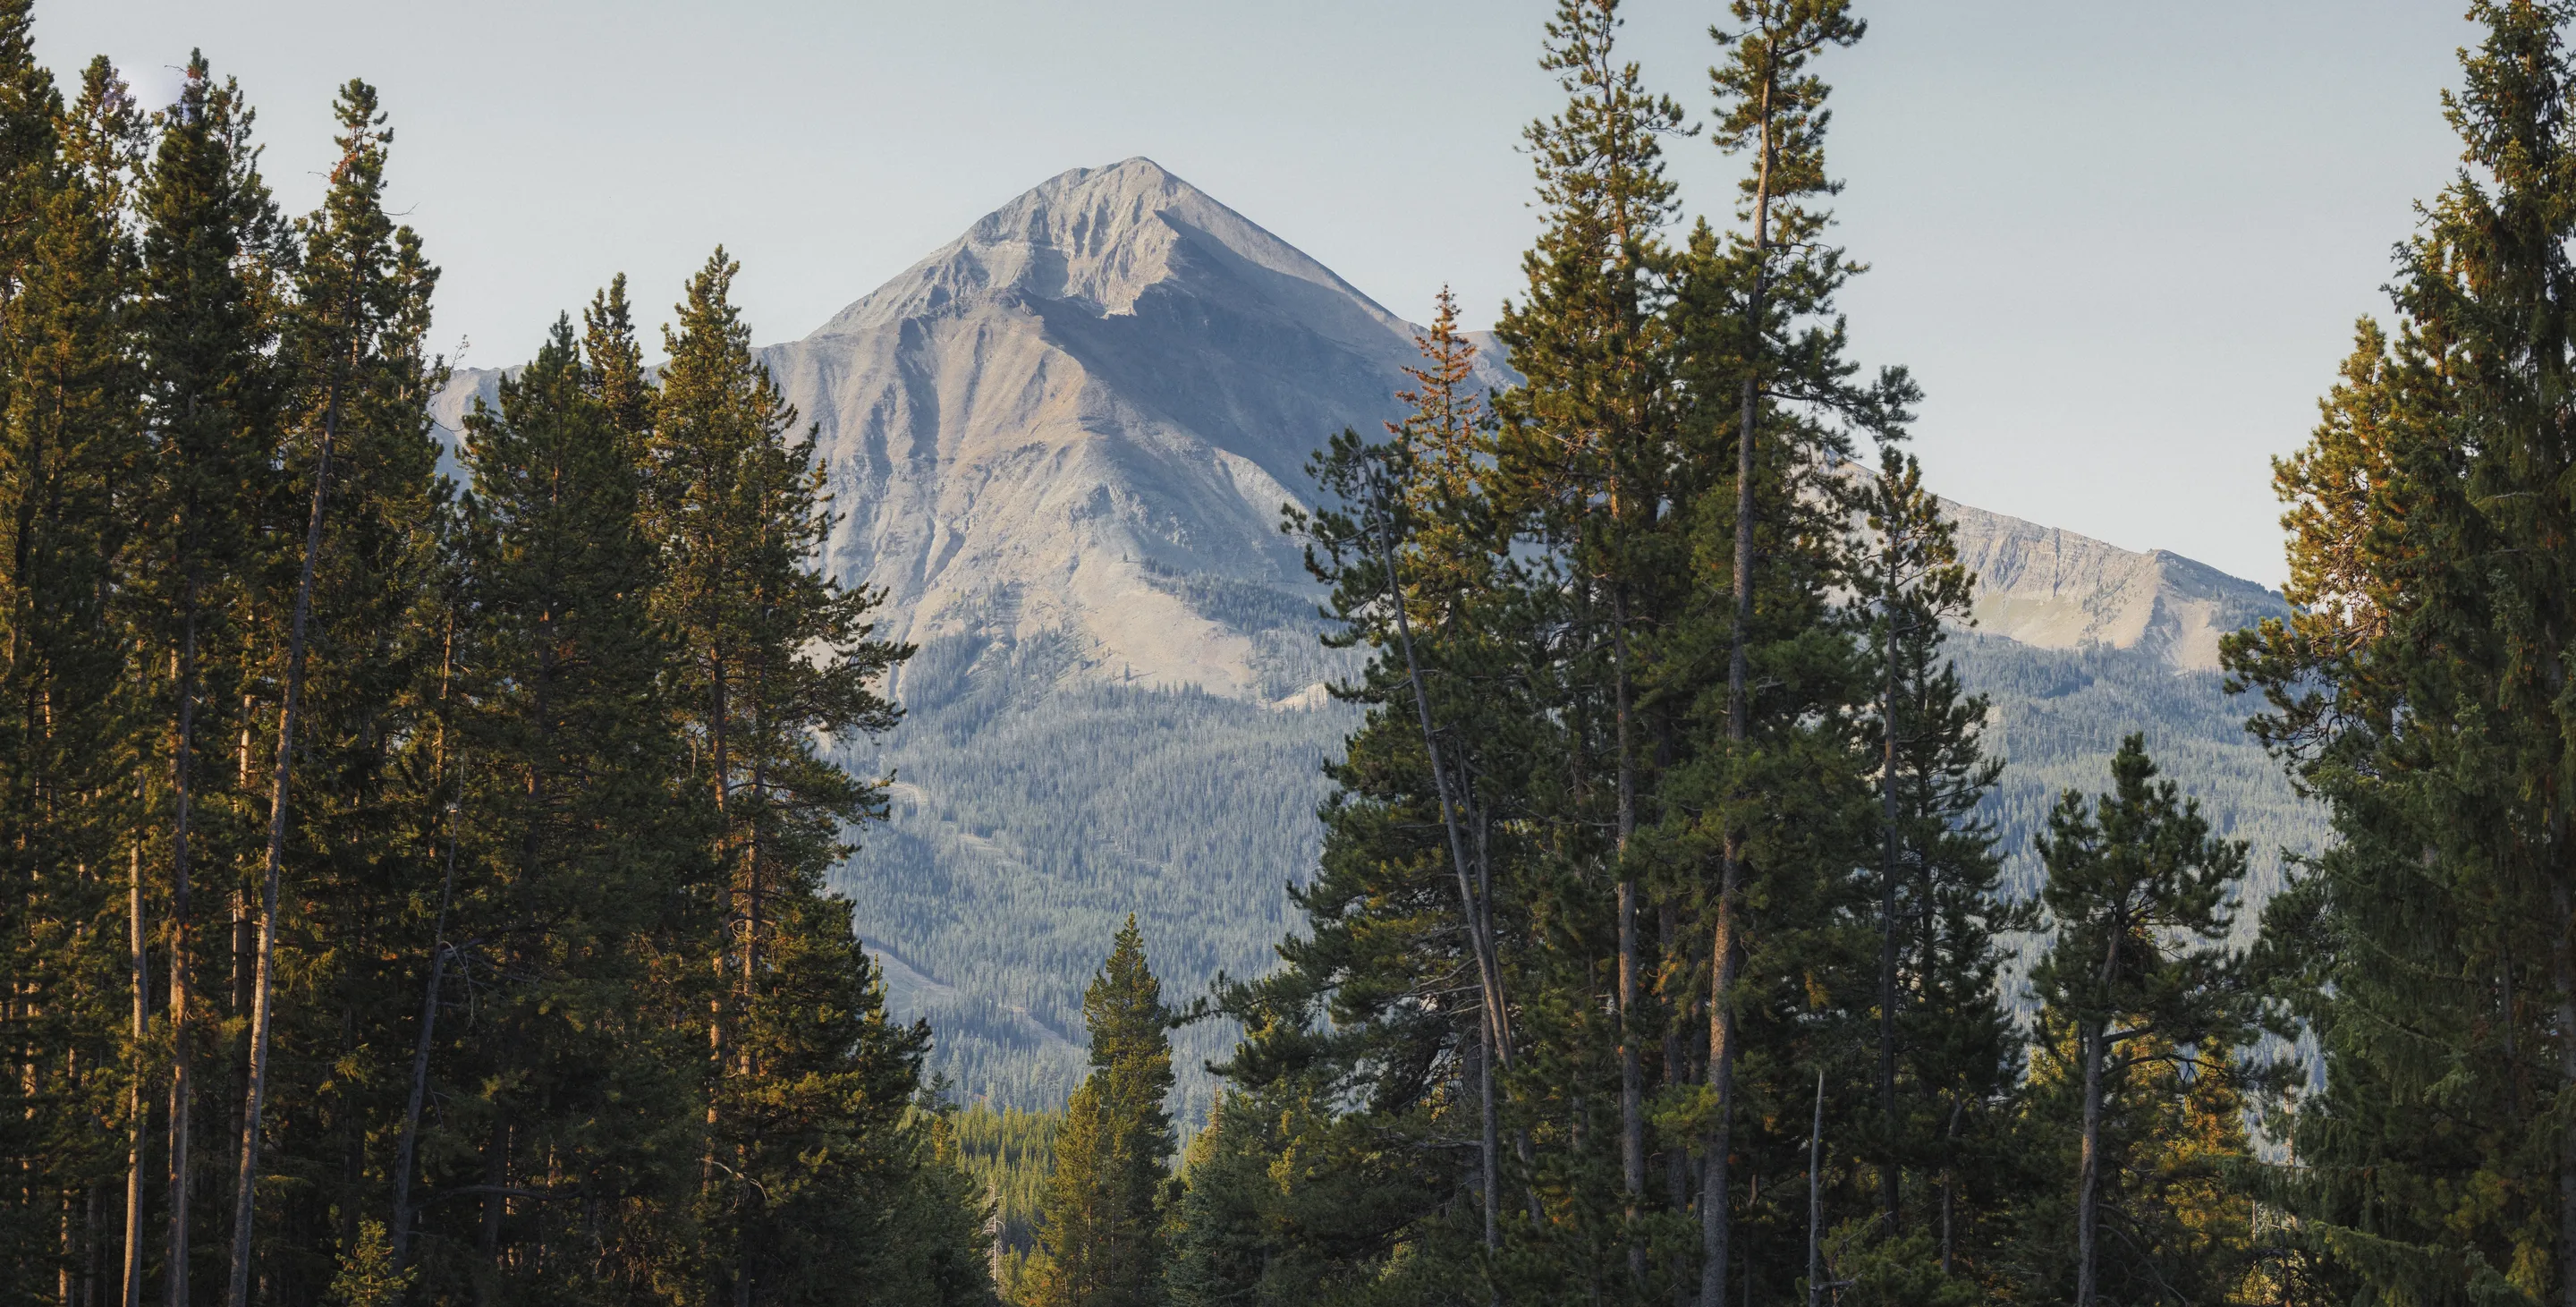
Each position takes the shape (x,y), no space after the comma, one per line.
(2121,246)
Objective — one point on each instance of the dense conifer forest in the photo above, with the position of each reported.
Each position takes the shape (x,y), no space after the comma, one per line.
(437,889)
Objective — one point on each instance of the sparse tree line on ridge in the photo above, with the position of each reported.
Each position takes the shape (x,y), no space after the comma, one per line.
(415,892)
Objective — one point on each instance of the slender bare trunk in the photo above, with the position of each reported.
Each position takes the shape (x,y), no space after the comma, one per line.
(752,914)
(403,1152)
(1490,1137)
(1714,1226)
(1632,1076)
(130,1293)
(264,985)
(1497,1028)
(715,997)
(2564,967)
(182,953)
(2088,1177)
(1816,1199)
(1890,1179)
(1949,1186)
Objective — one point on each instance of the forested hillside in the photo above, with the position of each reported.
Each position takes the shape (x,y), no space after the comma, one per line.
(1029,817)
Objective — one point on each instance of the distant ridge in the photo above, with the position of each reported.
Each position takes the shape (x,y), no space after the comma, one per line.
(2053,589)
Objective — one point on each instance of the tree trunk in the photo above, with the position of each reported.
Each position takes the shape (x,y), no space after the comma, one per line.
(130,1292)
(1714,1226)
(403,1152)
(1950,1185)
(1890,1179)
(264,985)
(2565,968)
(724,828)
(1632,1078)
(1478,922)
(1816,1200)
(420,1071)
(182,955)
(751,907)
(1490,1137)
(2089,1169)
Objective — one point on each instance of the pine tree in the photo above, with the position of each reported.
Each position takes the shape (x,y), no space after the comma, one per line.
(350,658)
(1100,1237)
(1586,455)
(68,410)
(2138,895)
(211,253)
(771,654)
(1778,799)
(434,754)
(1417,918)
(2421,690)
(579,848)
(1946,1048)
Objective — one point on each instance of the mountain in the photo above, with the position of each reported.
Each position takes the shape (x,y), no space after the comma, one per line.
(1082,417)
(1060,445)
(2053,589)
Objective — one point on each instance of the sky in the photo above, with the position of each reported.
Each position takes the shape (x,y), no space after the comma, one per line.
(2121,246)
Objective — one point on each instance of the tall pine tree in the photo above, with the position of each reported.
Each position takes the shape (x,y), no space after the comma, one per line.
(1100,1238)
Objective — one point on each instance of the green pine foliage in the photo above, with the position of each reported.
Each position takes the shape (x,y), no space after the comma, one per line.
(382,852)
(2420,689)
(1099,1235)
(1665,943)
(2137,977)
(1948,1061)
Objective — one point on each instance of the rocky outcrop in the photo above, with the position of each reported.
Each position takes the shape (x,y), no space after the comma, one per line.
(2054,589)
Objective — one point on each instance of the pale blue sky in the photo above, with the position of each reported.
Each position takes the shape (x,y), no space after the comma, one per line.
(2122,245)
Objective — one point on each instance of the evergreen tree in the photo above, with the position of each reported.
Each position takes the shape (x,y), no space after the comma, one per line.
(1409,977)
(2138,895)
(772,654)
(1100,1238)
(1770,815)
(212,255)
(2421,689)
(1219,1244)
(579,847)
(67,450)
(348,658)
(1585,458)
(432,756)
(1947,1051)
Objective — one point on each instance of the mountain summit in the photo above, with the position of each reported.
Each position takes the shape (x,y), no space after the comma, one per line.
(1081,418)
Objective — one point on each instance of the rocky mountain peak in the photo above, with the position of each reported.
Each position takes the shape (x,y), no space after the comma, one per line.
(1100,239)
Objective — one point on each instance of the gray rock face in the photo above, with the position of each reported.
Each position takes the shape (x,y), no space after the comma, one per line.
(2054,589)
(1110,382)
